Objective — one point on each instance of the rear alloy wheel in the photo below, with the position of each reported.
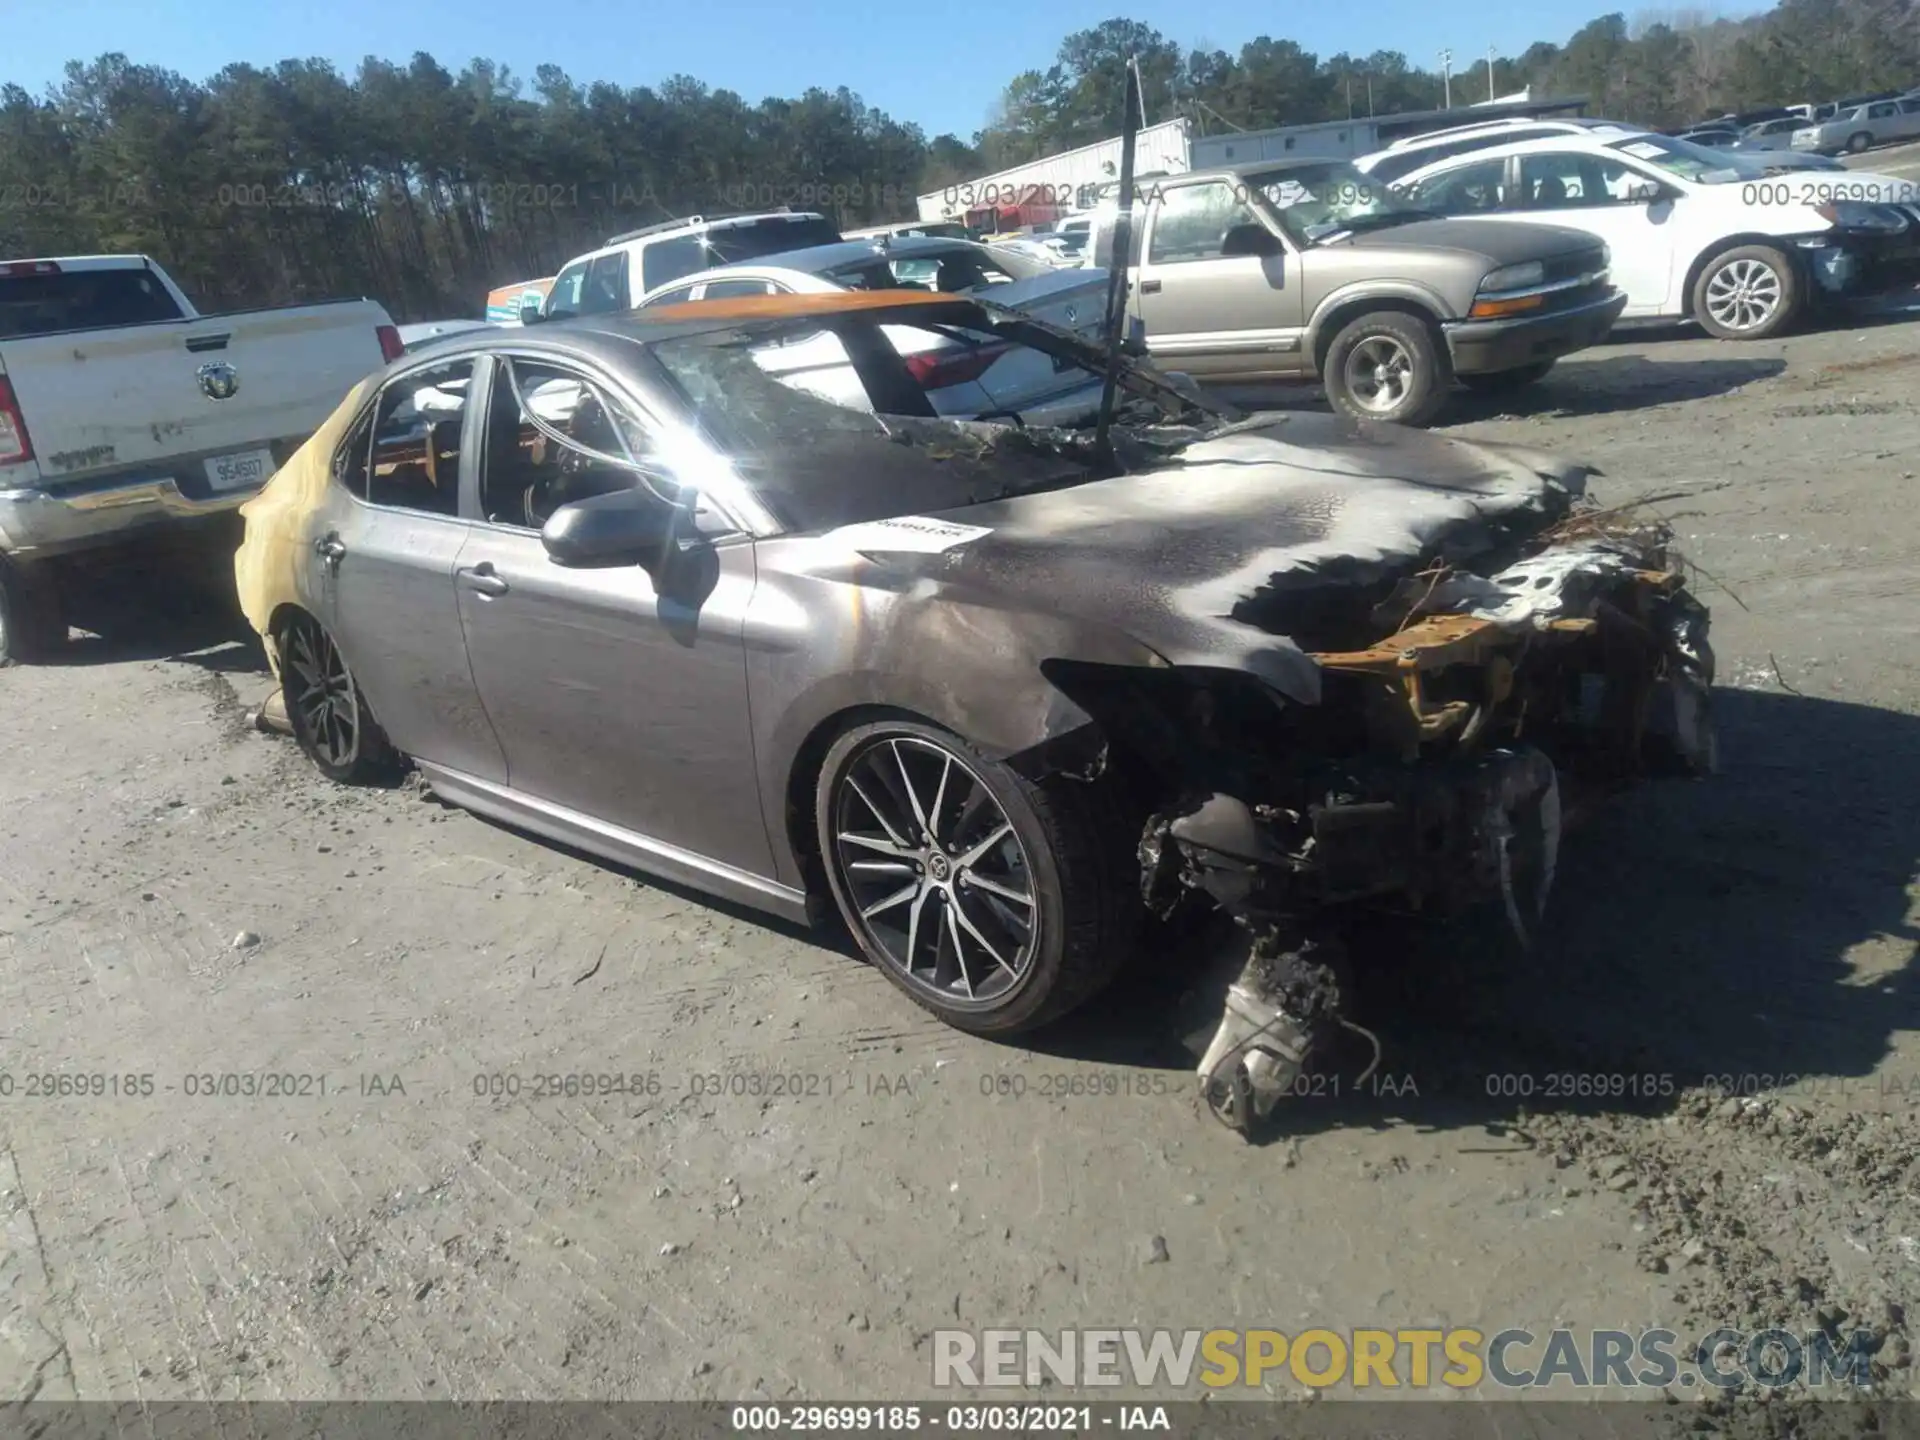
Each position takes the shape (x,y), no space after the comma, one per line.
(1505,382)
(985,897)
(1387,366)
(328,713)
(1748,293)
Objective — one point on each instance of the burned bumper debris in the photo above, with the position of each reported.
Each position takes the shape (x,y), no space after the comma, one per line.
(1442,759)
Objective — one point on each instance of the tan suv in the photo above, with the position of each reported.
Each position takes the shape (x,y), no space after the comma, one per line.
(1312,269)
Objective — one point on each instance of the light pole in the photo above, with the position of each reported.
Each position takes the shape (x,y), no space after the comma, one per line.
(1489,74)
(1446,75)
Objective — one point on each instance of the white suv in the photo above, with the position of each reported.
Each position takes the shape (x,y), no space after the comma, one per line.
(1690,238)
(614,277)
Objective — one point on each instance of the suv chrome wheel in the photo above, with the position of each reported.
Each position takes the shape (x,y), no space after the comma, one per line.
(1379,374)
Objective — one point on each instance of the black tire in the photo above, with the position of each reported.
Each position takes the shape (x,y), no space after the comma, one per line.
(1066,851)
(1505,382)
(329,715)
(1765,276)
(1412,371)
(33,624)
(1858,141)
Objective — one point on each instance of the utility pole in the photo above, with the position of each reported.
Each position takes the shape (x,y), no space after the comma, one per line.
(1446,75)
(1489,74)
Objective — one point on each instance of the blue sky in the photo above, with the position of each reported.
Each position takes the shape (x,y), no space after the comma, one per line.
(940,63)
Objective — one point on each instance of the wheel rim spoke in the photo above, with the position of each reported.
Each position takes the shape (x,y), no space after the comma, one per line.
(994,887)
(906,784)
(959,911)
(951,911)
(972,857)
(899,842)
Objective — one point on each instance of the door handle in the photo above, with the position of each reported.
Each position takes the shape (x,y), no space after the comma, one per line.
(330,549)
(1149,287)
(481,578)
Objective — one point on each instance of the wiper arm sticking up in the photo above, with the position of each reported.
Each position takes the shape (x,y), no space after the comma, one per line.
(1121,266)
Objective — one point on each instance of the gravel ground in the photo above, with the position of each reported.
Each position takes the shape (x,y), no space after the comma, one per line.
(182,898)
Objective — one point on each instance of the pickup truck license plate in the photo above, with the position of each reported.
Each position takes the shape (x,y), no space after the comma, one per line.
(244,471)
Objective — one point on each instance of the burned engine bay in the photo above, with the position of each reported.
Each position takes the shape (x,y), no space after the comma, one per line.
(1434,774)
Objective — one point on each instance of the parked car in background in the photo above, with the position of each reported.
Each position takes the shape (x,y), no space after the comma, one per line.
(127,418)
(1881,122)
(1690,237)
(1412,153)
(985,692)
(614,277)
(1074,300)
(938,229)
(1714,137)
(1310,269)
(1769,134)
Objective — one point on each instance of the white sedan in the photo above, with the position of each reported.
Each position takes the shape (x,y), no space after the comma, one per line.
(1690,237)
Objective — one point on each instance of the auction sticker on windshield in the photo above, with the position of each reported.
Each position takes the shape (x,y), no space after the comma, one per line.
(243,471)
(911,534)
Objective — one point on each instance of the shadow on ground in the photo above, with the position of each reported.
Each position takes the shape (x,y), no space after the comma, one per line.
(1700,930)
(157,607)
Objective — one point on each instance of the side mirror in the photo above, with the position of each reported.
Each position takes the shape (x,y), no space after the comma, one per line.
(1249,239)
(1639,190)
(530,312)
(622,527)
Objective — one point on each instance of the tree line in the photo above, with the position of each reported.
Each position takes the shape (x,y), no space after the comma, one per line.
(424,188)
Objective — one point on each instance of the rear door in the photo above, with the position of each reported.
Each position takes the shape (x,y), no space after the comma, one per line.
(1208,313)
(384,567)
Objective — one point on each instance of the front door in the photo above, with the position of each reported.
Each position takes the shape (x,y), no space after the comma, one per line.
(613,701)
(384,563)
(1209,313)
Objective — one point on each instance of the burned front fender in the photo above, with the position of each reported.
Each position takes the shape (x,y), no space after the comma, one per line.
(834,631)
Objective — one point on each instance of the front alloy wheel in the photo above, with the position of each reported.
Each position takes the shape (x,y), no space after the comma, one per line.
(983,896)
(329,715)
(1747,294)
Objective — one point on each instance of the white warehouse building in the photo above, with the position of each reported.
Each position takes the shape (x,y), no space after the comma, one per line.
(1061,179)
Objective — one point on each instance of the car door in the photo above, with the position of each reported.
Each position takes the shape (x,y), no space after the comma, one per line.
(1611,199)
(1907,122)
(612,701)
(384,567)
(1210,313)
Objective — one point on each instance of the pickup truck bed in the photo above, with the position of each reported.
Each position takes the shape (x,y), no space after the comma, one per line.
(124,412)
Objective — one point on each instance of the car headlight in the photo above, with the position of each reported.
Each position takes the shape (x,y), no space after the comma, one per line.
(1856,215)
(1606,256)
(1513,277)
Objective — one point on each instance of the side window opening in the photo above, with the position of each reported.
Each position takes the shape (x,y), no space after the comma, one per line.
(1191,222)
(417,424)
(350,461)
(562,437)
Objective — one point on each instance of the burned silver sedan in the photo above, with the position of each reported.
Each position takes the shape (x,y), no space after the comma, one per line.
(719,593)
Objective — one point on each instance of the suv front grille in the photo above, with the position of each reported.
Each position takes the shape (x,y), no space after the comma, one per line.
(1573,265)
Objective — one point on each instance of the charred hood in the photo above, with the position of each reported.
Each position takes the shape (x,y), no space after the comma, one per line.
(1248,549)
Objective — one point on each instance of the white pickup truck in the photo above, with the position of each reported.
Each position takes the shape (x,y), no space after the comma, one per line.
(127,417)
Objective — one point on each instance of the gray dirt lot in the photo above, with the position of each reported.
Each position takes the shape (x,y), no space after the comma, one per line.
(401,1236)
